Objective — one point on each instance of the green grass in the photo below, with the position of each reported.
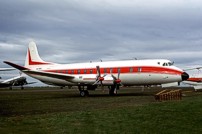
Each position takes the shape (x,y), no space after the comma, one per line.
(64,111)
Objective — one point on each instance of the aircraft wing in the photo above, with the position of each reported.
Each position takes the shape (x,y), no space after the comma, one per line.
(30,83)
(196,85)
(12,80)
(193,83)
(50,74)
(198,68)
(7,69)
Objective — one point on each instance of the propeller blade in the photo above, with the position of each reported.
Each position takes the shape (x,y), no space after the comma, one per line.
(98,71)
(99,78)
(119,71)
(96,82)
(117,81)
(104,75)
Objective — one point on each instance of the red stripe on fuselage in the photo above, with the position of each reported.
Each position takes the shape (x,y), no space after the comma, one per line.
(139,69)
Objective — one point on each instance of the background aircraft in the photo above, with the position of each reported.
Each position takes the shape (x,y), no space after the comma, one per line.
(87,76)
(195,80)
(15,81)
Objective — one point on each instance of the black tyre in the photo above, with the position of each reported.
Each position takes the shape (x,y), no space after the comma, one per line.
(82,93)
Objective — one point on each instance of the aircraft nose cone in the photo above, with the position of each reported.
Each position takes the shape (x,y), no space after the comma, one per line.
(185,76)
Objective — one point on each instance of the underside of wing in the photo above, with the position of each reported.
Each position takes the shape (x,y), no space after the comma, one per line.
(21,68)
(50,74)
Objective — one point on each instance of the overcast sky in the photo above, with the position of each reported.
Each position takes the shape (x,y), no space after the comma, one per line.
(89,30)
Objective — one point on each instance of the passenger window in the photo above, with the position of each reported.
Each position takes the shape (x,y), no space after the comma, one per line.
(72,71)
(111,70)
(119,70)
(105,70)
(139,69)
(85,71)
(91,71)
(79,71)
(131,69)
(66,71)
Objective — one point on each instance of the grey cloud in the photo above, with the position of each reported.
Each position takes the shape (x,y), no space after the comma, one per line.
(76,31)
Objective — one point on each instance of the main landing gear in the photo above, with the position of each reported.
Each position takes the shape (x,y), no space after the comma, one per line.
(83,92)
(112,90)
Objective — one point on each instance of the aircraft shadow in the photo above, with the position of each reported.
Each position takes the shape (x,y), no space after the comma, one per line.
(118,95)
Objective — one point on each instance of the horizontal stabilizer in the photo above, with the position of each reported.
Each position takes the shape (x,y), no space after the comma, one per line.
(21,68)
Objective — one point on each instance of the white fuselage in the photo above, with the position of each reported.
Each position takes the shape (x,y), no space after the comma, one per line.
(132,72)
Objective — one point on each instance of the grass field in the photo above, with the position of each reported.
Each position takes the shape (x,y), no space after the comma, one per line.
(60,111)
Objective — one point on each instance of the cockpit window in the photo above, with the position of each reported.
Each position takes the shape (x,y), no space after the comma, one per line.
(168,64)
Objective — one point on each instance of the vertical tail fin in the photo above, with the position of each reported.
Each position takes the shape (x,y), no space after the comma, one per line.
(33,57)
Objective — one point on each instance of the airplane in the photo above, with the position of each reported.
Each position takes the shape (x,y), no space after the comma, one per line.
(15,81)
(195,80)
(88,76)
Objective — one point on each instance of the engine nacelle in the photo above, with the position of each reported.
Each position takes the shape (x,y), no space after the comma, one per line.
(108,81)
